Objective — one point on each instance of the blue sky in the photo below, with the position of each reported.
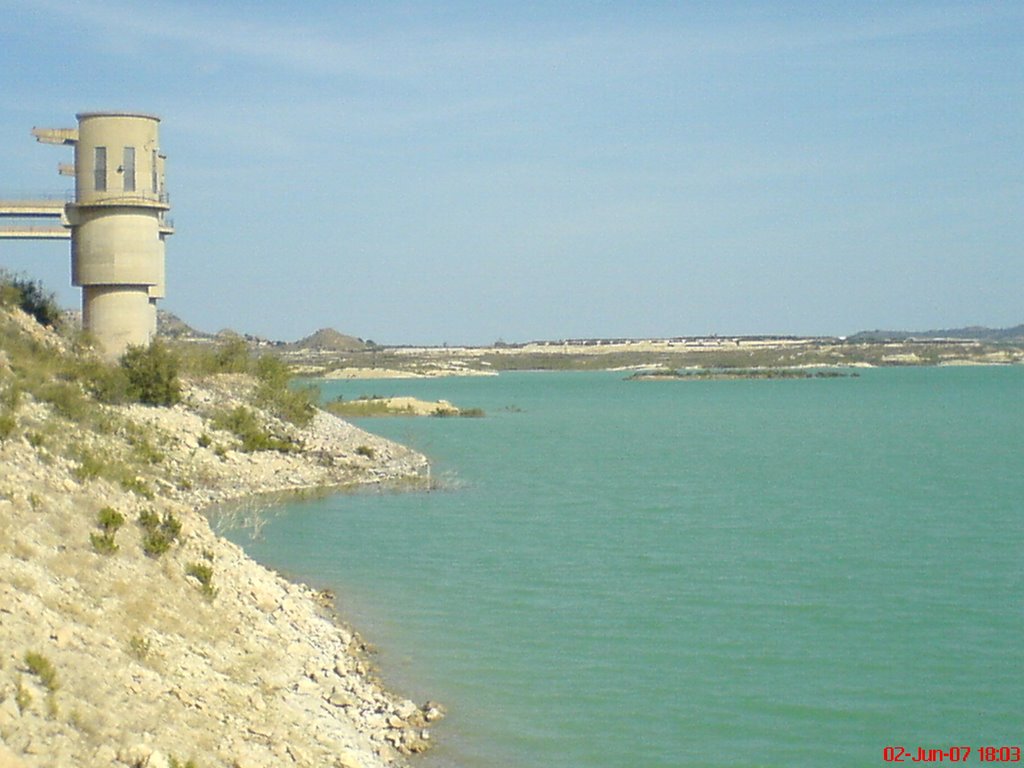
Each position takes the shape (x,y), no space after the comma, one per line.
(464,172)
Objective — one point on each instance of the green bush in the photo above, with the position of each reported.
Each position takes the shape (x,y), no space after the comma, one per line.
(109,519)
(103,543)
(276,395)
(232,356)
(365,450)
(8,423)
(158,535)
(107,383)
(30,296)
(43,668)
(152,374)
(203,573)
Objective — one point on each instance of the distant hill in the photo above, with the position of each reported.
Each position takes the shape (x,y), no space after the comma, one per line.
(330,340)
(978,333)
(171,326)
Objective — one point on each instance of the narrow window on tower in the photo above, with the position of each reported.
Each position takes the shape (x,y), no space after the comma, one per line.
(129,169)
(155,188)
(100,169)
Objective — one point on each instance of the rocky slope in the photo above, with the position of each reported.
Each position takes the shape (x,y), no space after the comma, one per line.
(132,635)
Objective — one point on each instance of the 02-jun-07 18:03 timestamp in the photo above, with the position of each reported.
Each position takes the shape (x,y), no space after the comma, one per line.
(953,754)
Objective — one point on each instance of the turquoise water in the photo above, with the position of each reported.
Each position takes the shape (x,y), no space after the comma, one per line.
(722,573)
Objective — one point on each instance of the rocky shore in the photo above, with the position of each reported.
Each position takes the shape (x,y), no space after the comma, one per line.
(132,635)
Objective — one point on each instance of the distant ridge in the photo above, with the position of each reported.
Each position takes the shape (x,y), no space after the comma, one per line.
(330,340)
(970,333)
(171,326)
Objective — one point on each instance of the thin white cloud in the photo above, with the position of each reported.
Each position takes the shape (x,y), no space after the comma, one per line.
(300,44)
(212,31)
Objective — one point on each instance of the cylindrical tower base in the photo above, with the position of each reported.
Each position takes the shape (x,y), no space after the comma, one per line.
(118,316)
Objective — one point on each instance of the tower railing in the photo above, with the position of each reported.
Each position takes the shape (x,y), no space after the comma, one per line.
(163,200)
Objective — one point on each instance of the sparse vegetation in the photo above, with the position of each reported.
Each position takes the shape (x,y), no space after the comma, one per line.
(369,406)
(93,465)
(139,647)
(230,356)
(103,543)
(203,573)
(158,535)
(109,521)
(276,394)
(274,391)
(365,407)
(367,451)
(29,296)
(152,374)
(138,486)
(43,668)
(10,398)
(68,421)
(253,435)
(8,423)
(67,399)
(22,697)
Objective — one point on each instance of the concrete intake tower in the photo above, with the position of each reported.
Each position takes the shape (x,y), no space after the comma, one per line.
(116,221)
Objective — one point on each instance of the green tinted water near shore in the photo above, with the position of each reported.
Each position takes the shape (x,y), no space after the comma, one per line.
(723,573)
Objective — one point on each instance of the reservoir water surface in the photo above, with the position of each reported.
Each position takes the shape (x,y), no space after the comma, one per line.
(718,573)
